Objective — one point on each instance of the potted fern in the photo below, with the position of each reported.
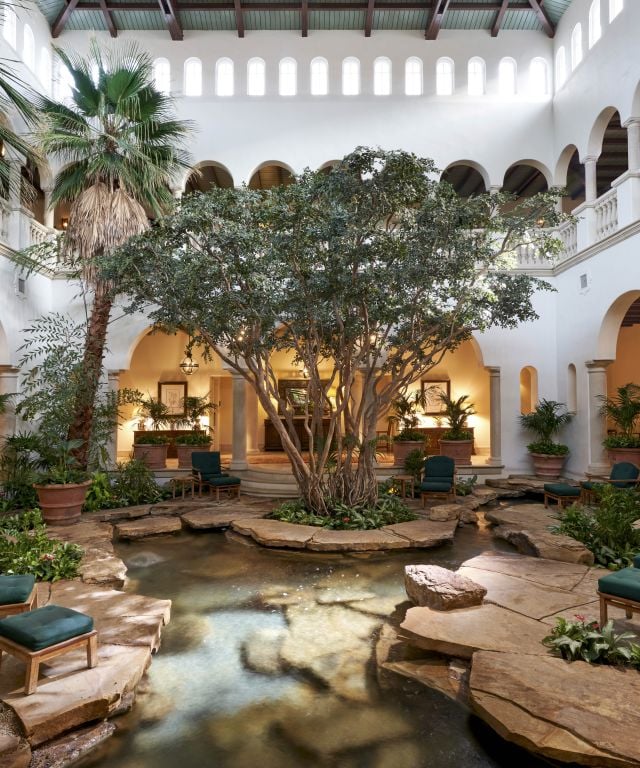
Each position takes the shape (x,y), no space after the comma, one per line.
(457,441)
(545,421)
(623,411)
(148,447)
(408,439)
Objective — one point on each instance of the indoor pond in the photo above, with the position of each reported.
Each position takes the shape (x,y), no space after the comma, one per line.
(203,706)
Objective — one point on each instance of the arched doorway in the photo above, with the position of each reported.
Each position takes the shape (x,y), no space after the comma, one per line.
(465,178)
(571,175)
(208,176)
(525,179)
(613,160)
(269,175)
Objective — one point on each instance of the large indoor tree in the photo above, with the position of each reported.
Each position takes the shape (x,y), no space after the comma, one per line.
(120,148)
(367,275)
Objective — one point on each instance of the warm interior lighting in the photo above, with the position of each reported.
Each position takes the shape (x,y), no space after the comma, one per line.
(64,222)
(189,365)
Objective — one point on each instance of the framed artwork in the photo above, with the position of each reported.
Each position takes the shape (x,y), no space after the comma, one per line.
(432,390)
(173,395)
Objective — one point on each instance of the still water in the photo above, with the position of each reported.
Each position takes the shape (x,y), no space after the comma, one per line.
(202,706)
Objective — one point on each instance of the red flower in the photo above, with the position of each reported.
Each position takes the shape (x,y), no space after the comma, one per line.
(579,617)
(346,519)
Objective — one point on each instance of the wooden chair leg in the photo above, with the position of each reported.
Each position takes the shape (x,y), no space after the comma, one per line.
(92,651)
(603,611)
(546,501)
(31,680)
(628,613)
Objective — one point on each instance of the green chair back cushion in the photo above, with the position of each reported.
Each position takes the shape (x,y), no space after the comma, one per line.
(45,627)
(441,467)
(206,462)
(15,589)
(624,470)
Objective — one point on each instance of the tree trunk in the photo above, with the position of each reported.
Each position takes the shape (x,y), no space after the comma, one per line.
(87,389)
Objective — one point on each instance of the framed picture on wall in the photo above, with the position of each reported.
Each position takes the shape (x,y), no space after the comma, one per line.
(173,395)
(432,392)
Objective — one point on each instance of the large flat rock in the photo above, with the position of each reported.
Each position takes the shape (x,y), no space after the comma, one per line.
(88,534)
(99,566)
(120,513)
(214,518)
(582,713)
(484,627)
(549,572)
(148,526)
(424,534)
(275,533)
(449,676)
(325,540)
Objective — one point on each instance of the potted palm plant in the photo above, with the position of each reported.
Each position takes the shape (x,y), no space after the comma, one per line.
(408,439)
(148,447)
(545,421)
(457,441)
(623,411)
(61,485)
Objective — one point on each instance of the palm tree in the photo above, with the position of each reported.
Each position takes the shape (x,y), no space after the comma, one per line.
(120,148)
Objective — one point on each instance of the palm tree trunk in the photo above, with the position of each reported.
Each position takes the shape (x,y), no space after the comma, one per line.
(91,369)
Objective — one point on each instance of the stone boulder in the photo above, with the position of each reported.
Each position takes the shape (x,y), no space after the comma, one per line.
(443,513)
(440,588)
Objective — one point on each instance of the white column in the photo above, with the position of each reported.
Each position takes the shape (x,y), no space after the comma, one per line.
(590,179)
(597,375)
(8,385)
(495,418)
(239,433)
(113,385)
(251,418)
(633,140)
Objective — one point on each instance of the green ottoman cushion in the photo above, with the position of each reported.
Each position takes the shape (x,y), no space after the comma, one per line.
(562,489)
(45,626)
(15,589)
(624,583)
(223,480)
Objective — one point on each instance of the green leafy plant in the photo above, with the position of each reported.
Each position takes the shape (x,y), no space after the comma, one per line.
(547,419)
(623,410)
(100,494)
(456,413)
(414,462)
(148,438)
(195,438)
(59,464)
(405,411)
(587,641)
(26,548)
(387,510)
(18,472)
(134,483)
(607,529)
(196,407)
(154,409)
(465,486)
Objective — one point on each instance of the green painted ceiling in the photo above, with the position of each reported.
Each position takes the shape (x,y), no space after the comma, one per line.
(286,14)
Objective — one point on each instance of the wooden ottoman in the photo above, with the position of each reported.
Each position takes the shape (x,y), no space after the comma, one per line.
(18,593)
(45,633)
(622,589)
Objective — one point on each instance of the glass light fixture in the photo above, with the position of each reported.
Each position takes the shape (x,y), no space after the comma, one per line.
(189,365)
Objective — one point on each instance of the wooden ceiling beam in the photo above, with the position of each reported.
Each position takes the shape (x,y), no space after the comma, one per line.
(315,5)
(543,17)
(304,18)
(108,18)
(237,7)
(368,22)
(498,20)
(63,17)
(171,18)
(434,20)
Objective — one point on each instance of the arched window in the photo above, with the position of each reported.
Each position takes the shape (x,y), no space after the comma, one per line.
(444,77)
(193,77)
(615,7)
(595,27)
(63,82)
(255,77)
(319,76)
(528,389)
(351,76)
(576,46)
(224,77)
(382,76)
(413,76)
(475,76)
(538,79)
(9,25)
(29,48)
(45,68)
(507,72)
(287,77)
(561,67)
(162,75)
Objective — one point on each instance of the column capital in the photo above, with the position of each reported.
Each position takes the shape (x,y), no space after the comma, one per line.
(590,159)
(8,370)
(594,366)
(631,121)
(493,370)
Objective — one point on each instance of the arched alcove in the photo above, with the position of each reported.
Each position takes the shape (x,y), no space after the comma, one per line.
(528,389)
(206,176)
(468,179)
(271,174)
(613,158)
(526,178)
(570,175)
(572,388)
(31,191)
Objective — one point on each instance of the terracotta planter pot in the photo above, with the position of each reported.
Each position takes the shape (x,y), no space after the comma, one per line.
(624,454)
(458,450)
(154,456)
(402,448)
(62,504)
(185,451)
(546,466)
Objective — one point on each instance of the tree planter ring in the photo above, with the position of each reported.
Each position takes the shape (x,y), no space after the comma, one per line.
(62,504)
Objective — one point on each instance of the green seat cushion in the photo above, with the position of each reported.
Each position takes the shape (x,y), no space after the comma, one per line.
(636,561)
(45,627)
(437,486)
(589,485)
(562,489)
(208,476)
(15,589)
(222,480)
(624,583)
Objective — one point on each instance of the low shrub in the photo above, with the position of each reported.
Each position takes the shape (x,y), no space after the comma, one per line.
(583,640)
(148,438)
(466,486)
(414,462)
(134,483)
(193,438)
(25,548)
(607,528)
(387,510)
(548,448)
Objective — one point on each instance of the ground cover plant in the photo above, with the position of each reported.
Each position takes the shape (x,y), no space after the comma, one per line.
(365,277)
(587,641)
(388,509)
(26,548)
(607,527)
(132,483)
